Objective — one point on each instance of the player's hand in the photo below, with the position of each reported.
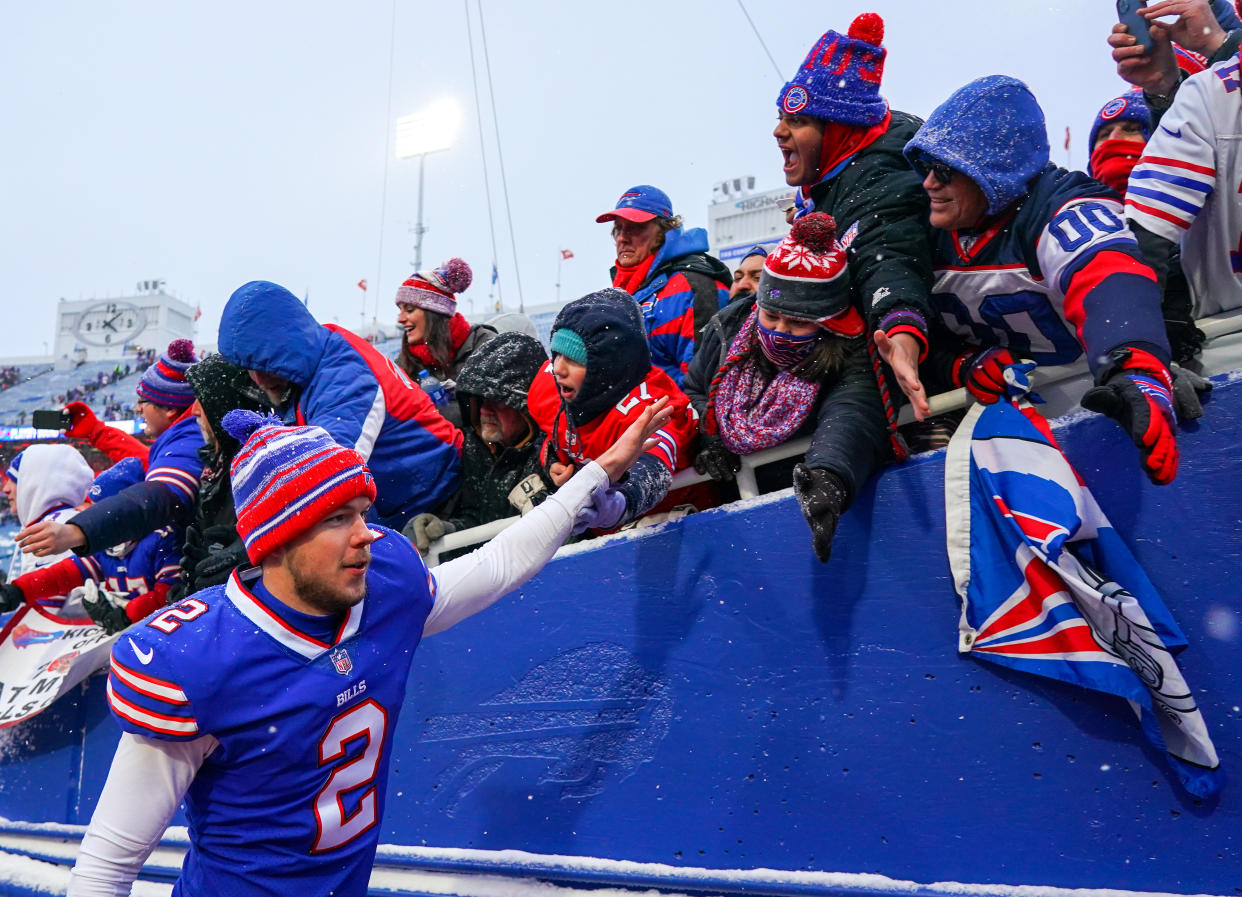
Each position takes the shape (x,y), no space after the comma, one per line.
(1196,27)
(48,537)
(1154,72)
(622,454)
(83,422)
(901,353)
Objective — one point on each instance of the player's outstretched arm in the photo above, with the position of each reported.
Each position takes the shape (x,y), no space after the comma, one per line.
(124,829)
(468,584)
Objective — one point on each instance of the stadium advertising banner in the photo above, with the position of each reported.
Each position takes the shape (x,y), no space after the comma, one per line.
(42,657)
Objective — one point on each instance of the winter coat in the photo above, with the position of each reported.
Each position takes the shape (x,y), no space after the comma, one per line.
(212,546)
(165,497)
(620,381)
(849,434)
(683,283)
(346,387)
(881,212)
(499,481)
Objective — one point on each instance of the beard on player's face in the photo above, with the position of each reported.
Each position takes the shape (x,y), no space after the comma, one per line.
(318,592)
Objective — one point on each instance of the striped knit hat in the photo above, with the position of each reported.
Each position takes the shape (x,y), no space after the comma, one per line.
(436,290)
(286,479)
(164,383)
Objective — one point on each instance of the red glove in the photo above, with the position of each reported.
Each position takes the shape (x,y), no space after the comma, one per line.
(1139,396)
(84,424)
(985,373)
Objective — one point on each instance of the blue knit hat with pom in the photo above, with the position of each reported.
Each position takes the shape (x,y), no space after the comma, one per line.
(164,383)
(1127,107)
(992,130)
(840,78)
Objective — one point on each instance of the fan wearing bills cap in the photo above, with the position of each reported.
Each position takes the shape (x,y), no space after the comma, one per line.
(792,361)
(260,701)
(667,270)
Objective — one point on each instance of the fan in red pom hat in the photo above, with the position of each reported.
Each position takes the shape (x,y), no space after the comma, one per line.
(841,147)
(437,338)
(794,363)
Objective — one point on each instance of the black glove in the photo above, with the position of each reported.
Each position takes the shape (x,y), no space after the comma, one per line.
(104,608)
(11,598)
(821,495)
(1187,388)
(216,567)
(1139,396)
(714,460)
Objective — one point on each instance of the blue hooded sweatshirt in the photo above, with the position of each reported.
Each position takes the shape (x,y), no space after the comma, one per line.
(349,389)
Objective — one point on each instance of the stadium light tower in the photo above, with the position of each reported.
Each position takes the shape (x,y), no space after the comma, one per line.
(421,134)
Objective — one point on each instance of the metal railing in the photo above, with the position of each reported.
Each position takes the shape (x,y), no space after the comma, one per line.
(747,486)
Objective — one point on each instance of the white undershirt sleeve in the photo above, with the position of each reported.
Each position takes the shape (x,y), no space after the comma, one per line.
(147,780)
(468,584)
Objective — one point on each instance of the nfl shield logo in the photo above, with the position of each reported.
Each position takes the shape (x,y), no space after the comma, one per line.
(340,660)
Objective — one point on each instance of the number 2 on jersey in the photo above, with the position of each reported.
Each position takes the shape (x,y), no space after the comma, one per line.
(334,826)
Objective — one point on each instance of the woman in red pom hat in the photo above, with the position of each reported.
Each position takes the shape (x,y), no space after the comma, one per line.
(438,339)
(790,362)
(842,146)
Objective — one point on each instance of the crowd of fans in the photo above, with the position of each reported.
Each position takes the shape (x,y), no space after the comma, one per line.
(922,256)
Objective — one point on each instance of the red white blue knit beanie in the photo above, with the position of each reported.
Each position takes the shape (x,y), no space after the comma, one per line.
(437,289)
(839,80)
(164,383)
(806,277)
(286,479)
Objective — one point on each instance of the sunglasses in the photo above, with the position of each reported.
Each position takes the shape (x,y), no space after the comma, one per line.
(941,172)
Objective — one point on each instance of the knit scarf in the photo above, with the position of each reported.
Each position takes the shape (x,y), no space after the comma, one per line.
(459,329)
(749,411)
(841,144)
(632,279)
(1113,160)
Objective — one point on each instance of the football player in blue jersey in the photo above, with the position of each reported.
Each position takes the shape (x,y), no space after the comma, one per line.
(1035,261)
(269,704)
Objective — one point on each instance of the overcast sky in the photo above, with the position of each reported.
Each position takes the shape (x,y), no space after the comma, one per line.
(210,145)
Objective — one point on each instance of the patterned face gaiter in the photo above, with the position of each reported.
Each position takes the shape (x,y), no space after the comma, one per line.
(784,350)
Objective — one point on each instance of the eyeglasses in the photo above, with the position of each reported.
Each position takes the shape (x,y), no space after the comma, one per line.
(941,172)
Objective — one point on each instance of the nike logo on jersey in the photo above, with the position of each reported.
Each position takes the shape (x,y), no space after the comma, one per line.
(1177,133)
(144,659)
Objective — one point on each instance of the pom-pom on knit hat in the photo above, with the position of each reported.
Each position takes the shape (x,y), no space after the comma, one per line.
(164,383)
(806,277)
(286,479)
(840,78)
(122,474)
(437,289)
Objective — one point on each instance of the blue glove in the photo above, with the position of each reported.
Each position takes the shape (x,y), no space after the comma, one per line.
(606,510)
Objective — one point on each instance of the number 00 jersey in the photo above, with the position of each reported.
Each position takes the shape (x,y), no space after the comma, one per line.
(289,801)
(1061,273)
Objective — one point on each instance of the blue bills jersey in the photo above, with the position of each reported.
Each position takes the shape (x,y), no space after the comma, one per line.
(135,569)
(290,800)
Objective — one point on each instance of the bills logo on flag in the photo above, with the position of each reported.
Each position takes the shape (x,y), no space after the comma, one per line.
(1048,587)
(340,660)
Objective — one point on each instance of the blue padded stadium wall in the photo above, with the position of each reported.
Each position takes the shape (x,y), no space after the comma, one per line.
(710,695)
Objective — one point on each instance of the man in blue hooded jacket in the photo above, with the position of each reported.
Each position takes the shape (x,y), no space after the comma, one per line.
(326,376)
(1035,261)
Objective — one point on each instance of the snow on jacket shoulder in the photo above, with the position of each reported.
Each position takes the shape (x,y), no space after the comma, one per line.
(349,389)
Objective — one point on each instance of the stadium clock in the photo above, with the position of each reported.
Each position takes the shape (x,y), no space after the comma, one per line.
(110,323)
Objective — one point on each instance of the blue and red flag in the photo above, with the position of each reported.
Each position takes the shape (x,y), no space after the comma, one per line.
(1048,587)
